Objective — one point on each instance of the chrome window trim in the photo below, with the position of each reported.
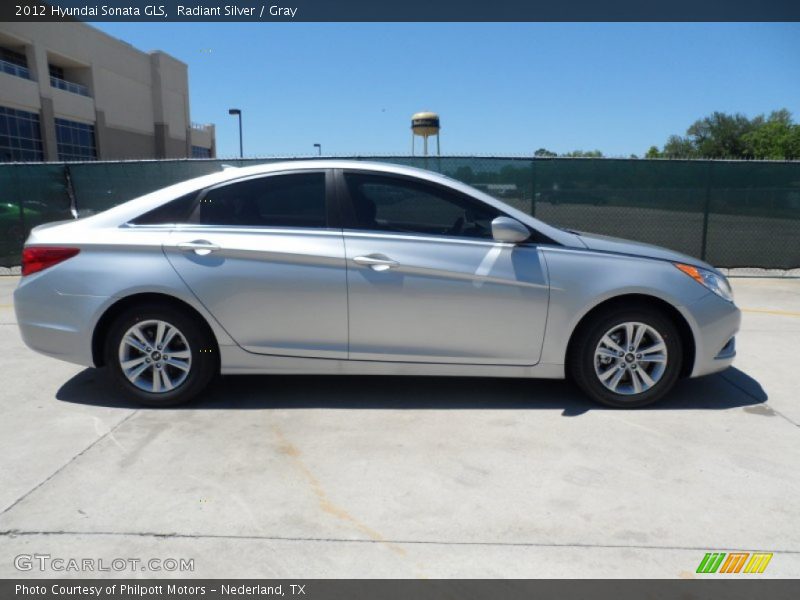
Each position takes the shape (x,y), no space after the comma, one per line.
(416,237)
(186,227)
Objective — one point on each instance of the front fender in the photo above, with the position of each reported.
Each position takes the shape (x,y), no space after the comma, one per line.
(581,280)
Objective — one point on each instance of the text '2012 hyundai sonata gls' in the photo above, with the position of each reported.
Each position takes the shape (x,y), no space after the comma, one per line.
(344,267)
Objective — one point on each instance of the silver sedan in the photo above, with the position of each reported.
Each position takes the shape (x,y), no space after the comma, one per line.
(343,267)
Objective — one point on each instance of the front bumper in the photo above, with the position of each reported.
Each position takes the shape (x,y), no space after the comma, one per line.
(714,323)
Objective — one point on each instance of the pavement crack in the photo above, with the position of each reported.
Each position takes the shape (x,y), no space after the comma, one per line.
(10,533)
(325,503)
(68,463)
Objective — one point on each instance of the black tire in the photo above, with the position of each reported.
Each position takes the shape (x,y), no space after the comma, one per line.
(581,359)
(202,348)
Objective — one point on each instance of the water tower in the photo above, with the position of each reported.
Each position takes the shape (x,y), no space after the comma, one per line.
(425,124)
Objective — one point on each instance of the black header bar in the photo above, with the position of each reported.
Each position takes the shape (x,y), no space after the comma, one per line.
(401,11)
(393,589)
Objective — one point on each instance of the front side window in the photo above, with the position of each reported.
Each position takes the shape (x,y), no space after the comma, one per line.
(392,204)
(296,200)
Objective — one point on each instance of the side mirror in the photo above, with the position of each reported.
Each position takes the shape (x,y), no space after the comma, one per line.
(506,229)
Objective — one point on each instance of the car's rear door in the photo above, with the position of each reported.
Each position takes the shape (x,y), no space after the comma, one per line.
(426,281)
(266,258)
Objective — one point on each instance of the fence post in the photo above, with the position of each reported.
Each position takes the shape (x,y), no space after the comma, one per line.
(706,209)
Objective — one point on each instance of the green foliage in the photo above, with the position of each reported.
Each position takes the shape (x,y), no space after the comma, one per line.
(653,152)
(721,135)
(584,154)
(544,153)
(680,147)
(777,138)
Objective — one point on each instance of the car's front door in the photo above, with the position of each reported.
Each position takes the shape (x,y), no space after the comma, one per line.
(426,281)
(262,255)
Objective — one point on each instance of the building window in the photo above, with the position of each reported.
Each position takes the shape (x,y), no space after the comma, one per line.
(56,71)
(200,152)
(75,140)
(59,80)
(20,136)
(14,63)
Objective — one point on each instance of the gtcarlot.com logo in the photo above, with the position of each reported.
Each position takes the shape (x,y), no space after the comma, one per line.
(46,562)
(734,562)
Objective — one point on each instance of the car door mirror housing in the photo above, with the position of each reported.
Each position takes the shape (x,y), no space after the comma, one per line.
(506,229)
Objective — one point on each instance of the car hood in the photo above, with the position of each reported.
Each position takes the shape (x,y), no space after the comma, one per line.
(603,243)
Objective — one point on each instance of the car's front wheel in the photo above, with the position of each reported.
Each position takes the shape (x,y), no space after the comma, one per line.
(627,357)
(160,356)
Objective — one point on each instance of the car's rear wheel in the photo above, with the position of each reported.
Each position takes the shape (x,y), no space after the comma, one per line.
(627,357)
(160,356)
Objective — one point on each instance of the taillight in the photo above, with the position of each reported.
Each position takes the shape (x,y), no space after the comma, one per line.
(39,258)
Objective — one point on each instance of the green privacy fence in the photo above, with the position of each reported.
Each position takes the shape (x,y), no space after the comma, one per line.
(732,214)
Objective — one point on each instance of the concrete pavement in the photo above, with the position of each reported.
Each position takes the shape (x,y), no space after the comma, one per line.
(407,477)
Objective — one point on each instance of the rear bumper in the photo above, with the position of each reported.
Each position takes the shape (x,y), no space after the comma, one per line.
(56,324)
(715,323)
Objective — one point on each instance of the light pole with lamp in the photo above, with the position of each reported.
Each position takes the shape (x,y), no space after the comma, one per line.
(319,149)
(238,113)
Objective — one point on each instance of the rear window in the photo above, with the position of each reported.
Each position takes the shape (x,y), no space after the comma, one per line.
(175,211)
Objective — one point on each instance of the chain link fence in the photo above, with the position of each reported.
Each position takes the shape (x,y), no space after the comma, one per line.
(729,213)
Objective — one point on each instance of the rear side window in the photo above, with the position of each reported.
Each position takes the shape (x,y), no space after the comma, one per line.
(175,211)
(296,200)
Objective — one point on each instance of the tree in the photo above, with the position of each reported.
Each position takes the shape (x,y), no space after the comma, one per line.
(720,135)
(778,138)
(544,153)
(679,147)
(584,154)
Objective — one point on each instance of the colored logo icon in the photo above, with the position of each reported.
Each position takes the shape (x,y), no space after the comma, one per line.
(734,562)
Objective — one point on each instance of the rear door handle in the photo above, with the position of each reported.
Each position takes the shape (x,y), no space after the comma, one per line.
(199,247)
(376,262)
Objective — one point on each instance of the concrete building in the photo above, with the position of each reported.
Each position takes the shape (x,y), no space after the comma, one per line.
(70,92)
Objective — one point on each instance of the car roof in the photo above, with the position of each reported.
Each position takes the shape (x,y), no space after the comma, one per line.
(123,213)
(230,173)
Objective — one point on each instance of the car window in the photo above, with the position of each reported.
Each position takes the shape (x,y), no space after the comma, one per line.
(175,211)
(393,204)
(296,200)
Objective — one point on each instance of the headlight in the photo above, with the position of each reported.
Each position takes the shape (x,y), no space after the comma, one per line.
(716,283)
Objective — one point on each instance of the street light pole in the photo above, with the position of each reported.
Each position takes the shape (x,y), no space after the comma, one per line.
(238,113)
(319,149)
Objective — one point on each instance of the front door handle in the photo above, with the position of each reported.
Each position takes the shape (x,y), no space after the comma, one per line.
(199,247)
(376,262)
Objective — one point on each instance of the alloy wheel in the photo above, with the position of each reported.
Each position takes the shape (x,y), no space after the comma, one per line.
(155,356)
(630,358)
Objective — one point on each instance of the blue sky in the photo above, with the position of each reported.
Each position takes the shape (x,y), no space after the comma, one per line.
(503,89)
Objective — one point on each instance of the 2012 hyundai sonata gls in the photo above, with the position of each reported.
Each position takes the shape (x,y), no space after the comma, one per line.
(343,267)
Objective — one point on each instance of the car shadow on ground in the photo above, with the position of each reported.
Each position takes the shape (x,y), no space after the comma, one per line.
(730,389)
